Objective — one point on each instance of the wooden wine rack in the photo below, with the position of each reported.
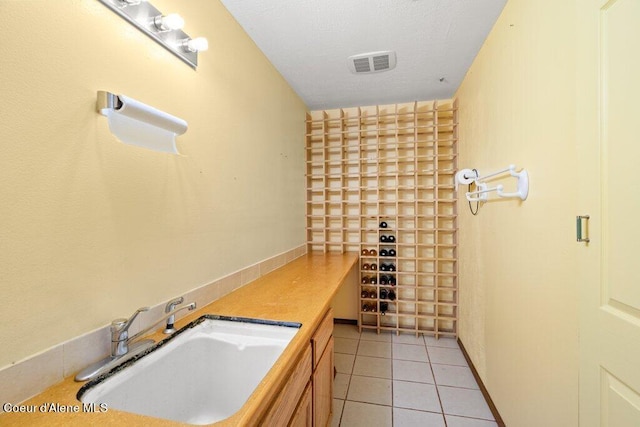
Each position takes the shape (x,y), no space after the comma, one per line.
(395,164)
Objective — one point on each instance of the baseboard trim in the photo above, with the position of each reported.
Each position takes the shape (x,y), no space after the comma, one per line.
(483,389)
(345,321)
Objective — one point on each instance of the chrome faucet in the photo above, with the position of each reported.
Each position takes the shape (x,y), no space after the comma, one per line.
(122,346)
(119,328)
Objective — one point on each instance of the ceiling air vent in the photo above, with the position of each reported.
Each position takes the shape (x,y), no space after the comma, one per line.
(373,62)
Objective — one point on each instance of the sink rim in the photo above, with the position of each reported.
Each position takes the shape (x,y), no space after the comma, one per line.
(131,361)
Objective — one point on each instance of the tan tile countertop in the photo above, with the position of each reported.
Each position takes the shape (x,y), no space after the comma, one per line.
(301,291)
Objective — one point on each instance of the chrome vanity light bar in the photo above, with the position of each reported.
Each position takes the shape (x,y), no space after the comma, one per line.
(165,30)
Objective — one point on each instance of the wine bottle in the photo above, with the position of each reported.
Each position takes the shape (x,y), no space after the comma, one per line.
(373,266)
(365,252)
(365,266)
(391,239)
(373,252)
(384,306)
(383,224)
(384,280)
(383,252)
(365,280)
(373,280)
(384,239)
(392,252)
(392,295)
(383,293)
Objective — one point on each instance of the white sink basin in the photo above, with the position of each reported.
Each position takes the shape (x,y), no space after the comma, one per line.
(204,373)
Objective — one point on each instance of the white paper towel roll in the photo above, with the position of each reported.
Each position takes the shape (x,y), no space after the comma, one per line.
(465,177)
(139,124)
(145,113)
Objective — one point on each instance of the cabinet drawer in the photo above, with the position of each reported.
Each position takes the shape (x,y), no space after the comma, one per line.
(322,336)
(285,404)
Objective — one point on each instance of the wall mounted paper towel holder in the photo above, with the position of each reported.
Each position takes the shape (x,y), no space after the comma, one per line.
(468,176)
(107,100)
(135,123)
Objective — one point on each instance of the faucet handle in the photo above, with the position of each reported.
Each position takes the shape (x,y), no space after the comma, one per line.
(122,324)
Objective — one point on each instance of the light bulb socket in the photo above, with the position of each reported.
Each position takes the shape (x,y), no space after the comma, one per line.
(158,24)
(187,45)
(169,22)
(125,3)
(198,44)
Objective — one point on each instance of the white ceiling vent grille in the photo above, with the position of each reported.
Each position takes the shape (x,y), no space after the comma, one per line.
(373,62)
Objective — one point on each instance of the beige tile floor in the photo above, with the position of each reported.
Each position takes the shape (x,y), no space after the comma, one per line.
(403,381)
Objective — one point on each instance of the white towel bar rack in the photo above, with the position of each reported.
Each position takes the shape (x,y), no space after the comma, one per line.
(470,176)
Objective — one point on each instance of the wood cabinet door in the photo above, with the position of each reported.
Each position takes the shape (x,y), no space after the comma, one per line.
(285,405)
(323,388)
(303,417)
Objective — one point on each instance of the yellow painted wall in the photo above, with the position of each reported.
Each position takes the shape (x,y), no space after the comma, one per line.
(518,292)
(90,228)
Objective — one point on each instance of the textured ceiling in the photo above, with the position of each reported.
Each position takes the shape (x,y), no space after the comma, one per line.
(309,42)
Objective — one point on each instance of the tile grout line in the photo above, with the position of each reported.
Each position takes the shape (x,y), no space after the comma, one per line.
(414,409)
(435,384)
(392,400)
(344,401)
(450,386)
(346,395)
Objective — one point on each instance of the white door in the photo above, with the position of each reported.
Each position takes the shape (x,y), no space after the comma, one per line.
(608,180)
